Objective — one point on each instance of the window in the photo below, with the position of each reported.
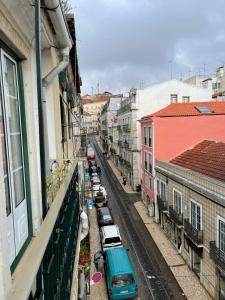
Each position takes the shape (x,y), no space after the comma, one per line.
(186,99)
(150,162)
(221,234)
(177,201)
(145,157)
(149,136)
(203,109)
(173,98)
(151,183)
(158,187)
(195,215)
(14,155)
(163,190)
(145,135)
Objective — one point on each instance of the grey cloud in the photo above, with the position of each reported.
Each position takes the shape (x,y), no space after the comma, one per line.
(127,41)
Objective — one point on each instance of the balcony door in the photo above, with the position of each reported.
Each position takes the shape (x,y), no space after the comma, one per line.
(13,157)
(195,215)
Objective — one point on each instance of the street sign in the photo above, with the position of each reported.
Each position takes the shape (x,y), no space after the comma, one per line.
(96,277)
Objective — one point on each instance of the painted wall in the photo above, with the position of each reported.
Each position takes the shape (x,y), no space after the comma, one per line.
(174,135)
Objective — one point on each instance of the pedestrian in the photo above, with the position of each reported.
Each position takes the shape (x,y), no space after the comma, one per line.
(124,180)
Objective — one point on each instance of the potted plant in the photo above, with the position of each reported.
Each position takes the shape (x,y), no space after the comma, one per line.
(84,257)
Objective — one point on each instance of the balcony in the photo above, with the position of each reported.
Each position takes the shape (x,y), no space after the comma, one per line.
(52,249)
(119,127)
(194,234)
(217,255)
(162,204)
(175,216)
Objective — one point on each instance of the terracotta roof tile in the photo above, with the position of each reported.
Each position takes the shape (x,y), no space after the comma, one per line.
(208,158)
(189,109)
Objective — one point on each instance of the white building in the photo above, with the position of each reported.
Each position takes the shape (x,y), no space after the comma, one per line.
(36,127)
(143,102)
(108,122)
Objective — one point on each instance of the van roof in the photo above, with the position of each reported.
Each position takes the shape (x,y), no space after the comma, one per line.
(110,230)
(119,261)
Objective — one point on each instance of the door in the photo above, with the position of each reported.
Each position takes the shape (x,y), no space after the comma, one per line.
(13,161)
(196,262)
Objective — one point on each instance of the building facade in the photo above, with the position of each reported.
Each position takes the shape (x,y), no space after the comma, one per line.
(190,192)
(36,109)
(135,106)
(170,131)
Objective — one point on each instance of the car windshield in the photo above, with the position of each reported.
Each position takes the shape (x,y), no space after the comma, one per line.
(112,240)
(122,280)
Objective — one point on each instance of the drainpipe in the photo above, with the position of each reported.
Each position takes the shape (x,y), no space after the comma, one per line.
(40,110)
(65,44)
(84,223)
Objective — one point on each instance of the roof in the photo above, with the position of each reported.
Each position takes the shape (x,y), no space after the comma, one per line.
(110,230)
(96,98)
(207,158)
(189,109)
(119,261)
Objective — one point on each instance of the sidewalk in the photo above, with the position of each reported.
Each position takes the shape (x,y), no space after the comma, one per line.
(187,280)
(98,291)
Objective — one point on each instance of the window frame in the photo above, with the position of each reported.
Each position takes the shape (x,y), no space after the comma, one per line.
(181,208)
(190,213)
(219,219)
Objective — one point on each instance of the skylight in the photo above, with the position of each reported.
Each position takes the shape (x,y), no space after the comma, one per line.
(203,109)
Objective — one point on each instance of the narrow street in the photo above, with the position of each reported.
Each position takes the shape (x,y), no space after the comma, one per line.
(155,279)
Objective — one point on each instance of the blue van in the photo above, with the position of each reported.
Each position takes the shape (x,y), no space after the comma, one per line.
(120,277)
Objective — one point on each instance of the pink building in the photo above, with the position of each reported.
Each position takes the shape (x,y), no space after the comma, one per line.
(170,131)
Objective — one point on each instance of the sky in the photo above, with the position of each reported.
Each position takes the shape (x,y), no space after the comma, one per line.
(125,44)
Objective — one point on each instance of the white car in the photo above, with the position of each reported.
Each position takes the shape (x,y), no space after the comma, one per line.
(99,188)
(110,237)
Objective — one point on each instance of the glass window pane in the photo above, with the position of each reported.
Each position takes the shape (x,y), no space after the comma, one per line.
(16,150)
(10,77)
(19,191)
(13,115)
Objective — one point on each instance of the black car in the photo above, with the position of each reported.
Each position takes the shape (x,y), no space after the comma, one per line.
(104,217)
(100,200)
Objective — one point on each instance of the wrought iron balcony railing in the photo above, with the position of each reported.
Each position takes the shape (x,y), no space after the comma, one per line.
(217,255)
(175,216)
(194,234)
(162,204)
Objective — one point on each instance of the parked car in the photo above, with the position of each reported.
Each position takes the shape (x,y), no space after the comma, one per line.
(99,188)
(100,200)
(96,180)
(104,217)
(110,237)
(120,277)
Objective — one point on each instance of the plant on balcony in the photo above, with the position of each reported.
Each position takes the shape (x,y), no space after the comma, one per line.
(84,257)
(54,181)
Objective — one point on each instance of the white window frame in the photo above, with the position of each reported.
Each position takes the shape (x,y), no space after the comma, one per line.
(181,206)
(219,218)
(160,192)
(200,205)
